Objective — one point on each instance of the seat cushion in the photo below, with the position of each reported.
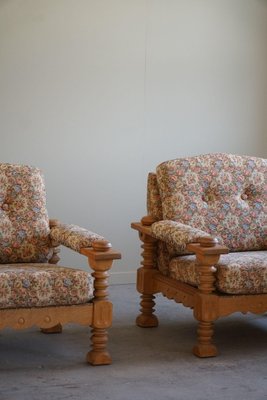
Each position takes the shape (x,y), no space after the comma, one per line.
(237,273)
(41,285)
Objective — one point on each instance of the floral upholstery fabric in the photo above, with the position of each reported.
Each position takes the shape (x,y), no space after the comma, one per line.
(41,285)
(163,258)
(176,235)
(24,224)
(73,236)
(154,205)
(222,194)
(237,273)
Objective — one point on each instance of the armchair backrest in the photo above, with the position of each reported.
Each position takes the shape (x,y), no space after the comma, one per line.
(222,194)
(24,223)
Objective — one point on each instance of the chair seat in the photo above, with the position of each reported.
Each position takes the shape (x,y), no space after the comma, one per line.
(41,285)
(237,273)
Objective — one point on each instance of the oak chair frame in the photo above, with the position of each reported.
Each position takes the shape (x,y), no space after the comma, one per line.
(207,303)
(97,314)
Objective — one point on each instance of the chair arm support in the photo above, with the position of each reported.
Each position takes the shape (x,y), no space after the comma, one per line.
(72,236)
(144,227)
(176,234)
(207,247)
(98,251)
(208,253)
(100,259)
(101,250)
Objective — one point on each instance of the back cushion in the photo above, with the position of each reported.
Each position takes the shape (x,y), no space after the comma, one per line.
(24,223)
(222,194)
(154,205)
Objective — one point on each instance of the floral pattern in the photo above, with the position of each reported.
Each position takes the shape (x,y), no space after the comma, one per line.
(24,224)
(222,194)
(176,235)
(163,258)
(154,206)
(236,273)
(41,285)
(73,236)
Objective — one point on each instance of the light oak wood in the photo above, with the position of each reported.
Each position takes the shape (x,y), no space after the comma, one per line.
(96,314)
(54,222)
(54,329)
(46,317)
(208,304)
(100,258)
(55,257)
(144,275)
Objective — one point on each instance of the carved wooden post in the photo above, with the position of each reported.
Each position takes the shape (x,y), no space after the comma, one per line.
(145,278)
(206,309)
(100,259)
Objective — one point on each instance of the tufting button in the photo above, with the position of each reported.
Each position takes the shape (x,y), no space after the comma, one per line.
(244,196)
(209,197)
(5,207)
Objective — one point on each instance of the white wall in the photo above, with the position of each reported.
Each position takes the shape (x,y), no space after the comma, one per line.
(98,92)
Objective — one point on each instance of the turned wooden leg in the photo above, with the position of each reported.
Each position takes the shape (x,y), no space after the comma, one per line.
(99,354)
(145,276)
(147,319)
(54,329)
(204,346)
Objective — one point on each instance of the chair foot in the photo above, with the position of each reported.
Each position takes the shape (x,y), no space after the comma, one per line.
(204,346)
(147,321)
(98,358)
(54,329)
(99,354)
(202,350)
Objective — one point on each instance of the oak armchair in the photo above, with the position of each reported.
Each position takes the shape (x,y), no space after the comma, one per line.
(205,240)
(33,289)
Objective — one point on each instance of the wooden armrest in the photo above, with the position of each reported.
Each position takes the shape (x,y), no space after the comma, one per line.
(101,250)
(207,246)
(145,225)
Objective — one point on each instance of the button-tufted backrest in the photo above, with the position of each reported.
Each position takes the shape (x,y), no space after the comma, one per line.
(154,204)
(222,194)
(24,224)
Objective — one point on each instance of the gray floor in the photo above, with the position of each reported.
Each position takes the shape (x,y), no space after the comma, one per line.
(148,364)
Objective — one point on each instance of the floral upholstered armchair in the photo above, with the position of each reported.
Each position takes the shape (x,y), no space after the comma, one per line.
(205,240)
(33,289)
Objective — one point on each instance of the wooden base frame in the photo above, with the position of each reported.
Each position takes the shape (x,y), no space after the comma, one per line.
(96,314)
(207,304)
